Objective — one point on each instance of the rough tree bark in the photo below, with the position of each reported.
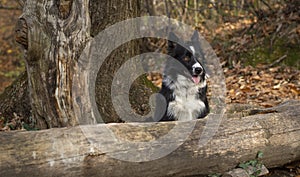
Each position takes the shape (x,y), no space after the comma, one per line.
(53,34)
(15,99)
(104,14)
(68,152)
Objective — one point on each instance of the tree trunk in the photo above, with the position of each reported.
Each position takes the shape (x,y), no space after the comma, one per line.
(54,34)
(70,152)
(53,39)
(108,13)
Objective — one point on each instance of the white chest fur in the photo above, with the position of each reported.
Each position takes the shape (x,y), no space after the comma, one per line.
(187,105)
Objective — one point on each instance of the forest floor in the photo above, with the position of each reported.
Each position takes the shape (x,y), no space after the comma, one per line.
(264,84)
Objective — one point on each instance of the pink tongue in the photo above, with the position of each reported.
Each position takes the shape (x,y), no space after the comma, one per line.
(196,79)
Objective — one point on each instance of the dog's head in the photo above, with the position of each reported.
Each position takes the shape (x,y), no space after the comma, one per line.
(188,54)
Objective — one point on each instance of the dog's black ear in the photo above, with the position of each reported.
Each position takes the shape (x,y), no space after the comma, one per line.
(172,41)
(174,47)
(195,36)
(196,41)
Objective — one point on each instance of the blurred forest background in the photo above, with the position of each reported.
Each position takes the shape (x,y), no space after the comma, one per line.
(258,42)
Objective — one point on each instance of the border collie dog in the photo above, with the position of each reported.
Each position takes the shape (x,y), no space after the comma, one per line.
(184,82)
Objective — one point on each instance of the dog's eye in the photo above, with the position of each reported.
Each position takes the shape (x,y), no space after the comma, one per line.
(186,59)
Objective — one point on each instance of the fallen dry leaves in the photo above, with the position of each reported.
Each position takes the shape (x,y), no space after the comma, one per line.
(262,86)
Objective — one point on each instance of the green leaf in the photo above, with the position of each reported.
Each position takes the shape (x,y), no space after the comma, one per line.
(257,172)
(243,165)
(260,155)
(253,163)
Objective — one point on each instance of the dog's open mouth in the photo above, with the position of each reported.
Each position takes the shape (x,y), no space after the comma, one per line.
(196,79)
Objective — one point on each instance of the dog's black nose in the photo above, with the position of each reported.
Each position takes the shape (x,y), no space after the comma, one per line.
(198,70)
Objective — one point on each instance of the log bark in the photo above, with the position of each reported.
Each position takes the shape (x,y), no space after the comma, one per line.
(68,151)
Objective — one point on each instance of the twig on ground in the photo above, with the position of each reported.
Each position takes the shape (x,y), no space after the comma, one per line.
(279,60)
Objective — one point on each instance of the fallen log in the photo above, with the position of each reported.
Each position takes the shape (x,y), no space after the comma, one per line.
(72,152)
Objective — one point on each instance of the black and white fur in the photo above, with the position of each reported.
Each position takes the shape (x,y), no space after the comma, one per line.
(184,84)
